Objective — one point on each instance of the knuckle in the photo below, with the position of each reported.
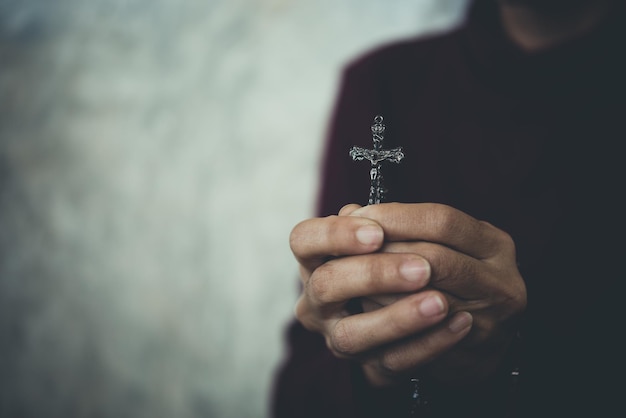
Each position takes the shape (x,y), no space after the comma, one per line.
(448,269)
(348,209)
(310,232)
(305,316)
(505,240)
(399,324)
(390,363)
(435,254)
(517,297)
(341,340)
(522,300)
(467,269)
(484,328)
(320,286)
(379,274)
(296,236)
(300,311)
(446,219)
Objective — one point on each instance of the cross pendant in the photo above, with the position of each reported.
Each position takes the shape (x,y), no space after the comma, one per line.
(376,157)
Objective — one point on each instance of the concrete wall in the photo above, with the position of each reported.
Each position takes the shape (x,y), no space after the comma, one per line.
(154,155)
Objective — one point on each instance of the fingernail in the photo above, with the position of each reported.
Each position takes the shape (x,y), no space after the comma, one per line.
(369,234)
(460,322)
(431,306)
(415,270)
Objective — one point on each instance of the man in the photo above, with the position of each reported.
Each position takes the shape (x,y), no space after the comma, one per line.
(491,290)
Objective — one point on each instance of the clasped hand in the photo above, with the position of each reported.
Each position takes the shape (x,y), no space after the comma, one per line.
(437,290)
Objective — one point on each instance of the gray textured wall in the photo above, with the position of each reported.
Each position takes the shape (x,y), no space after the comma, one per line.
(154,155)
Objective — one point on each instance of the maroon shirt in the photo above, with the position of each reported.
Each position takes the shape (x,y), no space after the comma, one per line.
(528,142)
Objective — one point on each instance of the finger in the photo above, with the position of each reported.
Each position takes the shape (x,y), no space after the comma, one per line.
(371,303)
(451,271)
(357,334)
(437,223)
(315,240)
(345,278)
(399,359)
(307,316)
(348,209)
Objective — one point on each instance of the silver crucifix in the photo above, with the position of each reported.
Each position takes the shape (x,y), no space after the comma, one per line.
(376,157)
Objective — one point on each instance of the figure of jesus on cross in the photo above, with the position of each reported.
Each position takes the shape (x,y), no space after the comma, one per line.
(376,157)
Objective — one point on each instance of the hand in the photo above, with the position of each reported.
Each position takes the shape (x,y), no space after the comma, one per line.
(472,263)
(340,261)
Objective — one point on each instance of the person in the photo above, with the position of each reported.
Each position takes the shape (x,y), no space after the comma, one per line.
(487,283)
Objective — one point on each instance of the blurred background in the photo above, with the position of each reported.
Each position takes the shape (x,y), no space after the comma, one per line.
(154,155)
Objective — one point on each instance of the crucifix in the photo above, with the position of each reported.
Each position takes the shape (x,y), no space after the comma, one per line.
(376,157)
